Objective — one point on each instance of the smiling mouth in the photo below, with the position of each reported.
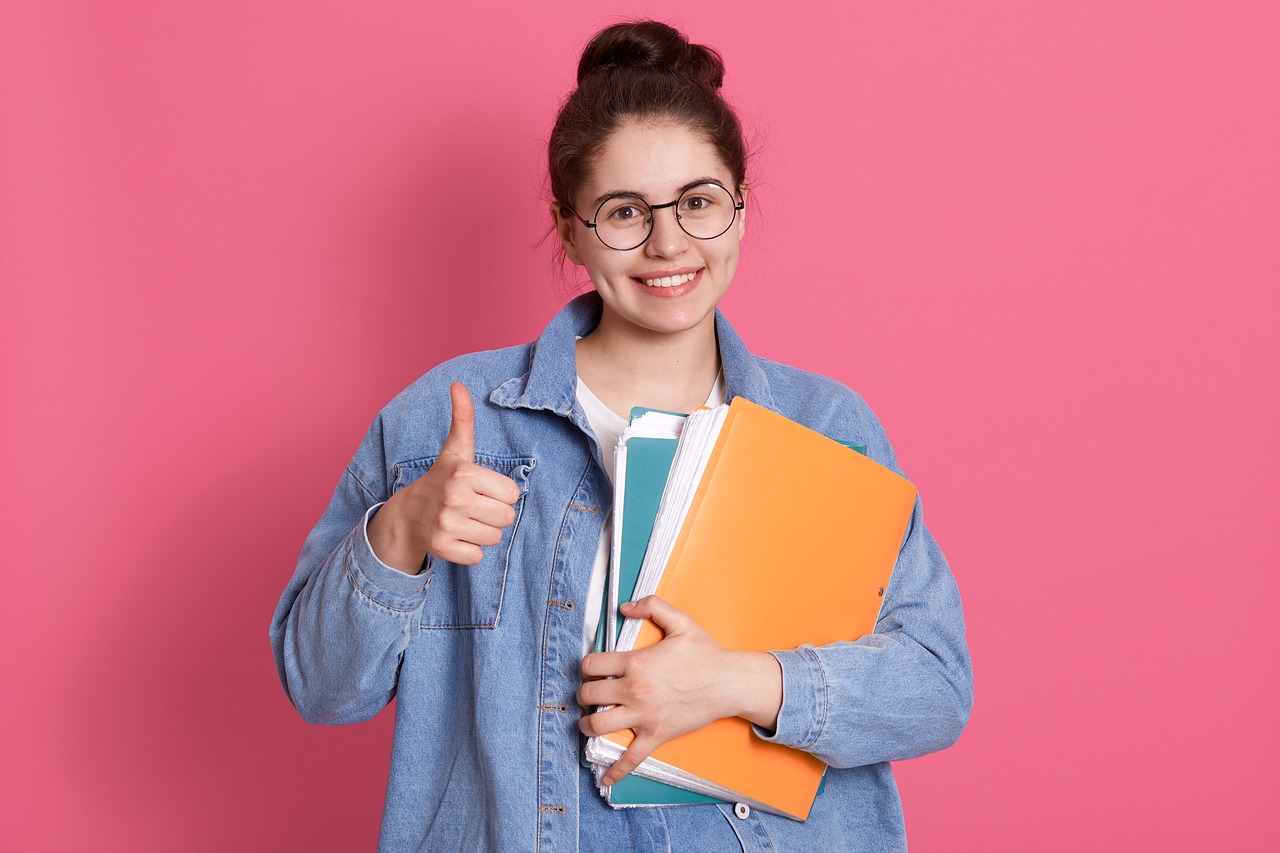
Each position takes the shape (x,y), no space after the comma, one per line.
(669,280)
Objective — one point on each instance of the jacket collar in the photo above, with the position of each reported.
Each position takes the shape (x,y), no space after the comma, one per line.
(552,380)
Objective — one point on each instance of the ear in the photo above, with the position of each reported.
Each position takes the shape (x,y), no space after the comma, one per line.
(742,214)
(563,223)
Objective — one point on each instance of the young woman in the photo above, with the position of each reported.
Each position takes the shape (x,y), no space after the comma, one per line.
(460,565)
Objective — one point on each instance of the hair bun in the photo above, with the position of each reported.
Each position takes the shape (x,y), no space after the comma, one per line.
(651,46)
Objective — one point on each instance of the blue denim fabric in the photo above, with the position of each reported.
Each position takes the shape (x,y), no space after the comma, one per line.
(484,660)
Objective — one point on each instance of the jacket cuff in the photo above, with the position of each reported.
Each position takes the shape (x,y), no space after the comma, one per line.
(389,587)
(804,699)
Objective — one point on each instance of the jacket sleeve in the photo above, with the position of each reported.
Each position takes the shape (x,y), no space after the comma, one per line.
(345,618)
(904,690)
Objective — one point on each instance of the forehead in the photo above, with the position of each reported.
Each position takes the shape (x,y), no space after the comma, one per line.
(654,159)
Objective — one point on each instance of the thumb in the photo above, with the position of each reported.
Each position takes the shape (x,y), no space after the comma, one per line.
(669,618)
(461,438)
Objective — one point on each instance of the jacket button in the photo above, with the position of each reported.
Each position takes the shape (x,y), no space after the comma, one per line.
(742,811)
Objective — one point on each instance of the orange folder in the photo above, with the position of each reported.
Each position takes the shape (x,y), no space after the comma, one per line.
(791,539)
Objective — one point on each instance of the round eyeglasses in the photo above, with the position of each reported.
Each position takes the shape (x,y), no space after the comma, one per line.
(703,211)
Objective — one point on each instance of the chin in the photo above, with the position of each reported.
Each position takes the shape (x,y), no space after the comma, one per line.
(675,323)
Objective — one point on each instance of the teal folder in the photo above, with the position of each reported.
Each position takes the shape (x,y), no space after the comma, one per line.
(648,463)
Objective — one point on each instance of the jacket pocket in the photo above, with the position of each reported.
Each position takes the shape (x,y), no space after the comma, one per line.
(470,596)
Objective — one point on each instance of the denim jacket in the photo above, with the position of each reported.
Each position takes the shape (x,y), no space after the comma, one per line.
(484,660)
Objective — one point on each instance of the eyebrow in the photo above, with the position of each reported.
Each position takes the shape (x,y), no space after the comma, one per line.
(634,194)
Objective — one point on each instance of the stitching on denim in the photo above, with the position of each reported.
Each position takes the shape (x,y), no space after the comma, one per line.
(375,603)
(560,709)
(350,572)
(368,491)
(501,464)
(726,812)
(822,716)
(553,809)
(562,603)
(762,832)
(591,509)
(752,826)
(546,630)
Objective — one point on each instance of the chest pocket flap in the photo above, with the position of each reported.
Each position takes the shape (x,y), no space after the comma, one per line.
(471,596)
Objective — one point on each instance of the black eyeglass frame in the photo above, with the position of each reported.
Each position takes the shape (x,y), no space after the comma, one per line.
(737,205)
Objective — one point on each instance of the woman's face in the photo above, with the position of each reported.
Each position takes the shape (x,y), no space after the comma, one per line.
(655,161)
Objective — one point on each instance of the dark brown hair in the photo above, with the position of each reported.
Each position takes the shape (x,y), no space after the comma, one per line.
(641,70)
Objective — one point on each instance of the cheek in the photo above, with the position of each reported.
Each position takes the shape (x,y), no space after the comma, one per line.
(728,255)
(728,262)
(601,268)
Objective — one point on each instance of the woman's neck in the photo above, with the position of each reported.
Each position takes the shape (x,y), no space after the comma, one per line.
(626,366)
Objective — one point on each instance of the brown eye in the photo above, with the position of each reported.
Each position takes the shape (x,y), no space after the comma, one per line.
(623,212)
(626,213)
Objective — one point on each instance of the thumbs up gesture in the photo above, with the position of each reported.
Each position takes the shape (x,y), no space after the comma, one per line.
(454,510)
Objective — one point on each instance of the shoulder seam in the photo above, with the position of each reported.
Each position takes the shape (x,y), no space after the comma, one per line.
(368,492)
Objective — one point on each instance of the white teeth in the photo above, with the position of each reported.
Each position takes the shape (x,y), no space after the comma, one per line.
(669,280)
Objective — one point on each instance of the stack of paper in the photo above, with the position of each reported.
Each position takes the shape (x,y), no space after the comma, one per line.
(642,459)
(771,536)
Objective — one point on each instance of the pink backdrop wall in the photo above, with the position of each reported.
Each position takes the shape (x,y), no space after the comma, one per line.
(1043,240)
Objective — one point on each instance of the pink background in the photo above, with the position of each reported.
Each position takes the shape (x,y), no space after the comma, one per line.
(1042,240)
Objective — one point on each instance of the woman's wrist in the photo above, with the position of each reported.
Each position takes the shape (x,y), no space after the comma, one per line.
(757,677)
(388,543)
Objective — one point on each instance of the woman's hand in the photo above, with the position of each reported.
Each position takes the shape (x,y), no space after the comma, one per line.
(453,510)
(682,683)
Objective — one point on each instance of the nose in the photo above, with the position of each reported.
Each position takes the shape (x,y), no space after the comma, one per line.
(666,238)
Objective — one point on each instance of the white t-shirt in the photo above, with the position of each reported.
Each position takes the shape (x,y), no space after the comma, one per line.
(608,426)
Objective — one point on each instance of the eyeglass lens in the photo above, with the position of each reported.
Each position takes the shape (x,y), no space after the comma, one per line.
(704,211)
